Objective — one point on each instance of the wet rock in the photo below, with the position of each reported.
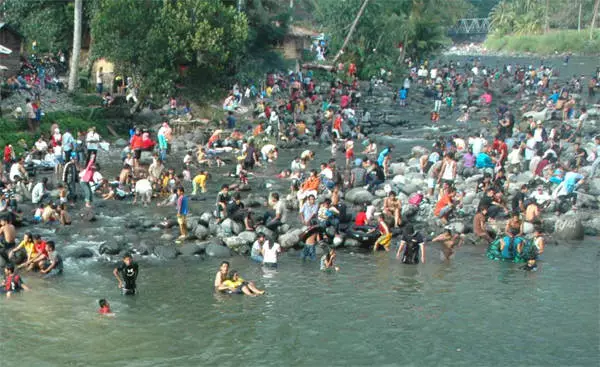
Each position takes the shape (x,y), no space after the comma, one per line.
(248,236)
(234,243)
(132,224)
(166,237)
(351,242)
(230,226)
(120,143)
(201,232)
(79,253)
(458,227)
(88,215)
(216,250)
(112,248)
(266,231)
(18,257)
(166,252)
(338,241)
(284,228)
(148,223)
(359,196)
(594,186)
(191,249)
(290,239)
(144,247)
(569,227)
(206,218)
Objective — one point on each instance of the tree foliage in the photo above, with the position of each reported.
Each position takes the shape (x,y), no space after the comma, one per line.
(49,23)
(420,25)
(527,16)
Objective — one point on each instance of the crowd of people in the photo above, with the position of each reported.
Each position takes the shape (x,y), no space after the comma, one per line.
(552,151)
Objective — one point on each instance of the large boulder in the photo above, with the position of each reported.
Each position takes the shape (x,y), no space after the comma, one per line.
(230,226)
(266,231)
(216,250)
(206,218)
(191,249)
(111,248)
(201,232)
(166,252)
(234,242)
(80,253)
(594,185)
(569,228)
(418,151)
(351,242)
(290,239)
(359,196)
(248,236)
(144,247)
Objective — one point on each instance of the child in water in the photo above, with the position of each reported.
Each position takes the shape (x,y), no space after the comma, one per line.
(328,261)
(104,308)
(531,265)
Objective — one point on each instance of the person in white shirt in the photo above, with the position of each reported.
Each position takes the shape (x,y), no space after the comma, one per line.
(41,146)
(39,191)
(99,81)
(541,197)
(514,159)
(92,141)
(270,252)
(269,152)
(477,143)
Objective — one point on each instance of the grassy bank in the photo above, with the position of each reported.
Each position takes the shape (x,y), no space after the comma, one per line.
(560,41)
(15,131)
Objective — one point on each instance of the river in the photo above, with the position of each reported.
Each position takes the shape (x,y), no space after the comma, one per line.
(375,311)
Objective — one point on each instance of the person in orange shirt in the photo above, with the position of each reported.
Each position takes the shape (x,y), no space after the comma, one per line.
(445,206)
(337,127)
(309,187)
(258,129)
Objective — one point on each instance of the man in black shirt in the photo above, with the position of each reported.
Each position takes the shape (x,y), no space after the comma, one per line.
(126,273)
(412,246)
(518,201)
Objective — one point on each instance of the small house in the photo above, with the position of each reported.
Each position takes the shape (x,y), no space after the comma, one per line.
(12,40)
(296,41)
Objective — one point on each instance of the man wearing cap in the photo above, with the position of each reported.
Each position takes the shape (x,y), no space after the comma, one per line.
(92,140)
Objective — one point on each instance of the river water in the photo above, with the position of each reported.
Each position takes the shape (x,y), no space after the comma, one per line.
(375,311)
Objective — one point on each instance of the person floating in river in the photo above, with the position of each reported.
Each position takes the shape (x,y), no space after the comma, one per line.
(12,282)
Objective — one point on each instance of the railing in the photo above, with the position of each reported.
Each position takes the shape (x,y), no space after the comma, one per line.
(471,26)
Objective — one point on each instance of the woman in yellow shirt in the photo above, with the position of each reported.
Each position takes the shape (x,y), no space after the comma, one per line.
(26,244)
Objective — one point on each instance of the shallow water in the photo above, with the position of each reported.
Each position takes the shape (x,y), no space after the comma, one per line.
(375,311)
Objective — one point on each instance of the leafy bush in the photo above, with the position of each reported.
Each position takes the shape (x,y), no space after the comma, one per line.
(549,43)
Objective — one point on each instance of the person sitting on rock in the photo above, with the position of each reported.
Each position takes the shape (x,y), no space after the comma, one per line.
(445,206)
(393,207)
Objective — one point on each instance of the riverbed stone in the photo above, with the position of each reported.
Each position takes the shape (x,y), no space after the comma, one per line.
(248,236)
(217,250)
(166,252)
(191,249)
(266,231)
(206,218)
(230,226)
(111,248)
(144,247)
(79,253)
(290,239)
(359,196)
(569,227)
(201,232)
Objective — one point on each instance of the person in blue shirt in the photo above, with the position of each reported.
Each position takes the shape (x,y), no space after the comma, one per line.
(554,97)
(484,160)
(402,94)
(182,212)
(382,155)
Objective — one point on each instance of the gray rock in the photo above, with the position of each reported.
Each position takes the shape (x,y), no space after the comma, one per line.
(144,247)
(458,227)
(284,228)
(234,243)
(201,232)
(216,250)
(230,226)
(419,151)
(80,253)
(166,252)
(206,218)
(120,143)
(594,186)
(148,223)
(359,196)
(569,227)
(290,239)
(351,242)
(248,237)
(267,232)
(191,249)
(166,237)
(111,248)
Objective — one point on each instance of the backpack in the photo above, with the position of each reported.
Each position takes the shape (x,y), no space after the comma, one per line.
(415,199)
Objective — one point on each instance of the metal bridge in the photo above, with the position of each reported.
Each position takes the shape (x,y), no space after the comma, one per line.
(471,26)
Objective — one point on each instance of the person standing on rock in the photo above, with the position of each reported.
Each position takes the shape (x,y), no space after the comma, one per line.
(182,212)
(126,273)
(87,179)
